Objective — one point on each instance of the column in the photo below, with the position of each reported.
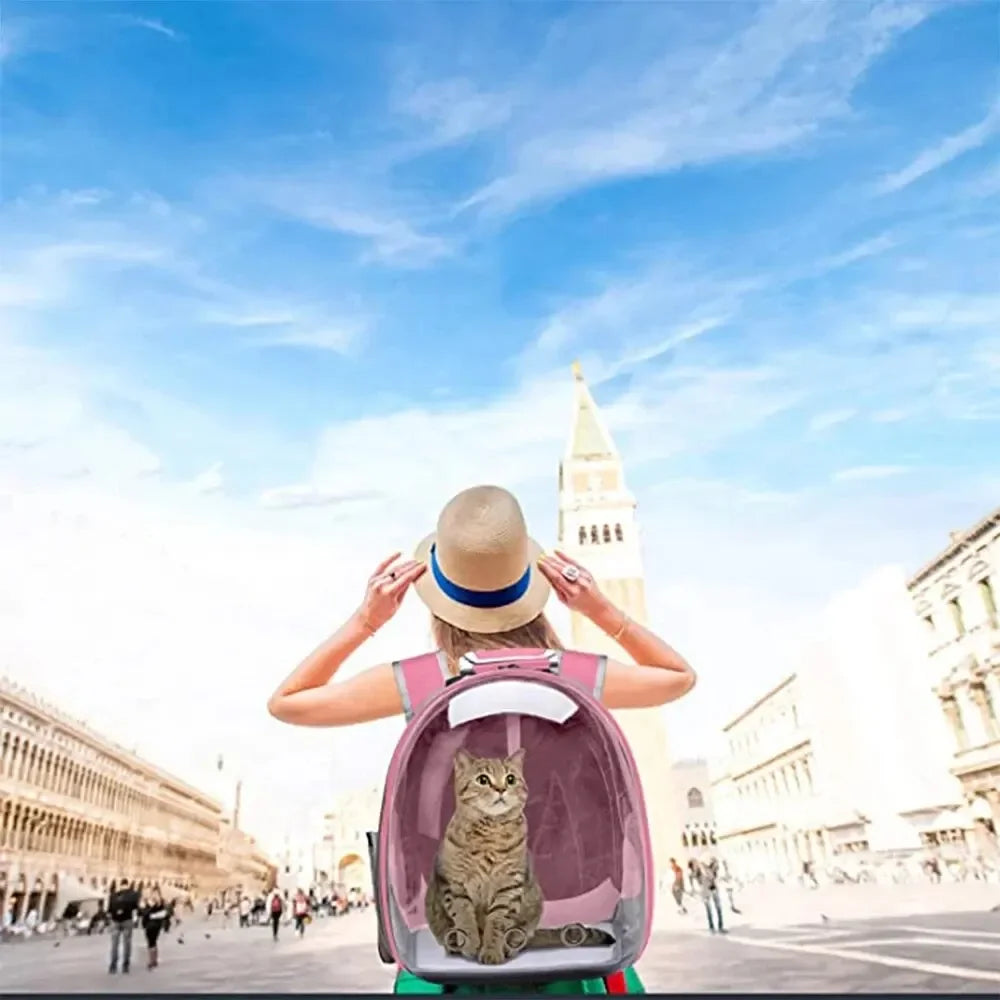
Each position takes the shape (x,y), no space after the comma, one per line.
(952,712)
(980,698)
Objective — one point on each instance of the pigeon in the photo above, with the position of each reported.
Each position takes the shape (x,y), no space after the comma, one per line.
(824,918)
(180,940)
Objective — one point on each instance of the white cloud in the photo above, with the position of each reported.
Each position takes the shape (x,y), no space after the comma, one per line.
(454,110)
(150,24)
(866,472)
(289,325)
(941,154)
(294,497)
(390,237)
(861,251)
(209,480)
(765,90)
(830,418)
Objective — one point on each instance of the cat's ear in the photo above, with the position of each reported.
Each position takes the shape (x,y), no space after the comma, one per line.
(463,760)
(517,758)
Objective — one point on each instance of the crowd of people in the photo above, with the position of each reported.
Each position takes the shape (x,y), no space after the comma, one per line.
(705,880)
(281,907)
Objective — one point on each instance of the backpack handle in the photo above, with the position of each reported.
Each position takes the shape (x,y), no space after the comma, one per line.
(420,677)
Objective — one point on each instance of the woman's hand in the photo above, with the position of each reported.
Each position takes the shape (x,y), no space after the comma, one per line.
(577,589)
(387,587)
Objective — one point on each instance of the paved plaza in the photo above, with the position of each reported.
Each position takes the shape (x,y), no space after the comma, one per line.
(887,947)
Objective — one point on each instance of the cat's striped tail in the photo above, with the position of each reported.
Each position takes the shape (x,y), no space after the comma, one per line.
(570,936)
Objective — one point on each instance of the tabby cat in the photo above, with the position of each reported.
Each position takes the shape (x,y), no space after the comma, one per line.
(483,900)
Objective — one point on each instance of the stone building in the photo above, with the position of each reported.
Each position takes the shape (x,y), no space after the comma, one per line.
(847,755)
(598,525)
(955,598)
(77,812)
(692,806)
(345,830)
(763,788)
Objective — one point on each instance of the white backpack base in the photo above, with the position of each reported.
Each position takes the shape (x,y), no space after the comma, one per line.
(434,962)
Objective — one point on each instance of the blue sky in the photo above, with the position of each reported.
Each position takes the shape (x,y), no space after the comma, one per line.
(299,270)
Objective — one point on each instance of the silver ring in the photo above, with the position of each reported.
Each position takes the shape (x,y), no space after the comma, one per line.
(571,573)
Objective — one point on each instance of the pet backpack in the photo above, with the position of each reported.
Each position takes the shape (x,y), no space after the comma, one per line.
(587,830)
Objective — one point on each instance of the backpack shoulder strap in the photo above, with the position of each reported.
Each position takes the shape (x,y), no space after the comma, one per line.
(587,669)
(418,678)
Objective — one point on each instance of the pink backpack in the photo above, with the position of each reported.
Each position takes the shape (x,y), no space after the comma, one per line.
(587,828)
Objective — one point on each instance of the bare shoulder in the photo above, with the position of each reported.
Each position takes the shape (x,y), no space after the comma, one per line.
(630,685)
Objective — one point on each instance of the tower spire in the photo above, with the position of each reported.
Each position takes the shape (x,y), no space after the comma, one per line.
(589,437)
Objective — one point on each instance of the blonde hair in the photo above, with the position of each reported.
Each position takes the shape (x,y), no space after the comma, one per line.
(455,642)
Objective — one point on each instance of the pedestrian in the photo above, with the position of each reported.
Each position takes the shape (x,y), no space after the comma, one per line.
(677,888)
(809,874)
(276,908)
(245,911)
(155,918)
(708,887)
(122,907)
(726,878)
(300,910)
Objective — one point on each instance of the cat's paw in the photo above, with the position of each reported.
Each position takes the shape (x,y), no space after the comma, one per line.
(492,954)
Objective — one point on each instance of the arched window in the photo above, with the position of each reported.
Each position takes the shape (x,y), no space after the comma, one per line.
(695,799)
(583,536)
(684,840)
(606,534)
(619,534)
(593,534)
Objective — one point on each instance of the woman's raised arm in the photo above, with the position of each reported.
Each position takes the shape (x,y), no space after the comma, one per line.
(307,698)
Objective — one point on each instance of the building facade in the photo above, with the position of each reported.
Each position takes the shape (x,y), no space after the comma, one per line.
(332,854)
(955,599)
(763,791)
(598,526)
(692,806)
(77,812)
(846,756)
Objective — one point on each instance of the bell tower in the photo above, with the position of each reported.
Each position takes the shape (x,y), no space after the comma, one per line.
(598,526)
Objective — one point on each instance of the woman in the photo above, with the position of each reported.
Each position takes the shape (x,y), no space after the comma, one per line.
(155,917)
(486,583)
(300,910)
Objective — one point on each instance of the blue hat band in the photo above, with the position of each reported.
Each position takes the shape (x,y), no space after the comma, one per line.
(479,598)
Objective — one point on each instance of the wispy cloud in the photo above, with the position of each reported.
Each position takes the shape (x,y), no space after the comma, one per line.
(150,24)
(942,153)
(860,473)
(288,325)
(299,496)
(861,251)
(209,481)
(390,237)
(790,70)
(831,418)
(453,110)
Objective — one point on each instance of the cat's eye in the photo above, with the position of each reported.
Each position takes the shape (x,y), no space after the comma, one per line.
(483,779)
(511,780)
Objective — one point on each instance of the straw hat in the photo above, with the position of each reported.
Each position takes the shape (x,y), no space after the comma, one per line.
(482,573)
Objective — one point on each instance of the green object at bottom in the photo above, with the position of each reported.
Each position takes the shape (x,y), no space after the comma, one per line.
(406,982)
